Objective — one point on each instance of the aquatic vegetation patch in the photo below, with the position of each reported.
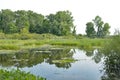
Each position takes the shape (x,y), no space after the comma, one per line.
(66,60)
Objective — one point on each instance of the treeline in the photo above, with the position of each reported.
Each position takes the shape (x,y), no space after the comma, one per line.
(21,21)
(97,28)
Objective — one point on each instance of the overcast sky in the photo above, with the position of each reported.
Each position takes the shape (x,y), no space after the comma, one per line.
(83,11)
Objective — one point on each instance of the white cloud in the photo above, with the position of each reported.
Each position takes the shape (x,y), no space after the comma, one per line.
(82,10)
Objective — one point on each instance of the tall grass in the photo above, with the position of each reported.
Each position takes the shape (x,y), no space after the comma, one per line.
(7,44)
(25,36)
(85,42)
(64,42)
(9,47)
(23,41)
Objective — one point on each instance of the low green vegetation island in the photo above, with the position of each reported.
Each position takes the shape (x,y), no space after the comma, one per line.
(28,30)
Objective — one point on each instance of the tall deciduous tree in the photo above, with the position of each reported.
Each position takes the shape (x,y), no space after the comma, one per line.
(102,29)
(35,22)
(52,24)
(74,30)
(7,21)
(21,21)
(65,20)
(90,29)
(99,25)
(106,28)
(61,23)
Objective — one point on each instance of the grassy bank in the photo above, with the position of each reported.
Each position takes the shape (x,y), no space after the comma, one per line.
(14,44)
(85,42)
(22,41)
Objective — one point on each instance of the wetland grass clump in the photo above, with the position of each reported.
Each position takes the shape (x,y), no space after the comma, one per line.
(18,75)
(26,36)
(64,61)
(92,42)
(7,44)
(9,47)
(16,44)
(64,42)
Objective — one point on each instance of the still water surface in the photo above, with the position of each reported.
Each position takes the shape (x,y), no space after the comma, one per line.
(86,67)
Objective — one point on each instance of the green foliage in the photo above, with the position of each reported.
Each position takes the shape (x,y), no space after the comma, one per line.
(112,59)
(9,47)
(113,45)
(102,29)
(22,21)
(61,23)
(25,36)
(98,23)
(106,29)
(2,36)
(35,40)
(64,42)
(17,75)
(90,29)
(7,21)
(82,43)
(74,31)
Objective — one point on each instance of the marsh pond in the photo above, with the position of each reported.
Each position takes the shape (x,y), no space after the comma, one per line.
(61,63)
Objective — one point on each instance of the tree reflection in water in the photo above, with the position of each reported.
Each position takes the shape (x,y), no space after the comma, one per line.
(59,55)
(32,57)
(5,59)
(112,67)
(95,54)
(112,60)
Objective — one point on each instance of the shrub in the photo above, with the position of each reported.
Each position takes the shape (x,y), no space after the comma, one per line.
(18,75)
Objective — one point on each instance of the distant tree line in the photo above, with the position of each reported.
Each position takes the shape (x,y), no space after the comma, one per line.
(97,28)
(21,21)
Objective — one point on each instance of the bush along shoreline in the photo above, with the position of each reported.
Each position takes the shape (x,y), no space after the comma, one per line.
(18,75)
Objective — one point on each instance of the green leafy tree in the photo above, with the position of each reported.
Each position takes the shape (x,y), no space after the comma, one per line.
(101,29)
(61,23)
(39,23)
(7,21)
(90,29)
(35,22)
(54,25)
(21,20)
(74,30)
(46,26)
(99,25)
(12,28)
(106,29)
(65,21)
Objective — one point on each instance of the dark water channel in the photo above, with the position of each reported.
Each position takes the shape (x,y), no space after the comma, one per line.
(56,63)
